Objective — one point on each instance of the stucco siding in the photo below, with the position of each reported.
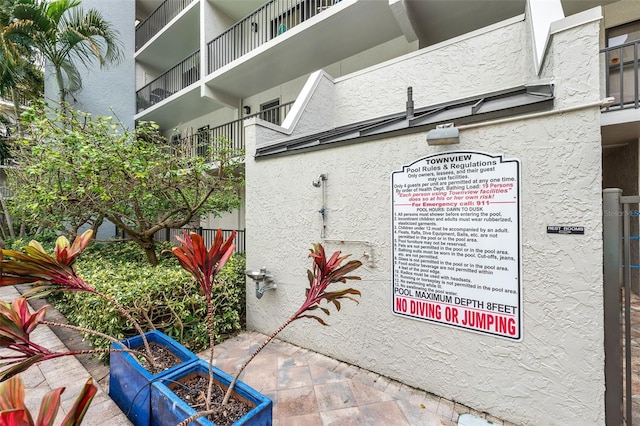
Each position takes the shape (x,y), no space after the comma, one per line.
(554,375)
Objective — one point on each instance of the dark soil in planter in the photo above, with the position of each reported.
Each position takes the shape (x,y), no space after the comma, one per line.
(193,390)
(163,357)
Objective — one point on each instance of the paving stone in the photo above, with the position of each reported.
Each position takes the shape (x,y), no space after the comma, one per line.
(345,417)
(334,396)
(297,402)
(321,375)
(367,395)
(294,377)
(383,413)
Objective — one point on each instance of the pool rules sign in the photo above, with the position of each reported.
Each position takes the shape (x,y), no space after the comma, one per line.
(456,242)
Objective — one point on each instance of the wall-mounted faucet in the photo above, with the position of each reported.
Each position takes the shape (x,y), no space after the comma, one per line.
(262,276)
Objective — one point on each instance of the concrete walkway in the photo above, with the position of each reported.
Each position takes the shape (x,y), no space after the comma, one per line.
(306,388)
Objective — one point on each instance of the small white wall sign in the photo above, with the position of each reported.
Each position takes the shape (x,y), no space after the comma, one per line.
(456,242)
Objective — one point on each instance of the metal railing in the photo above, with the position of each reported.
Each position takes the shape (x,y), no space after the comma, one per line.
(210,142)
(621,75)
(170,234)
(158,19)
(620,227)
(5,192)
(177,78)
(269,21)
(208,235)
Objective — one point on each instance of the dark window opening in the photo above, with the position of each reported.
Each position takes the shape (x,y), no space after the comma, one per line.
(270,111)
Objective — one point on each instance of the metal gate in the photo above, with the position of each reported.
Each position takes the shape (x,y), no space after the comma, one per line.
(621,260)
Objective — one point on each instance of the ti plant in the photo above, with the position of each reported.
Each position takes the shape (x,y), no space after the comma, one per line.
(205,265)
(46,273)
(16,326)
(325,271)
(13,411)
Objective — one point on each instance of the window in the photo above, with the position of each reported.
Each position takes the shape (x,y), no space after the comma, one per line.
(202,141)
(270,111)
(176,141)
(623,81)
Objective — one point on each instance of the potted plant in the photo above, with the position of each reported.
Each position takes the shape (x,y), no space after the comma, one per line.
(130,382)
(204,264)
(50,273)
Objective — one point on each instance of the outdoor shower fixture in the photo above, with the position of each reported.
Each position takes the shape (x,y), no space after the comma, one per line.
(319,179)
(318,182)
(262,276)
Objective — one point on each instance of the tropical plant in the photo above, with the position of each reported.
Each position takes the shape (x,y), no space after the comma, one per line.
(13,411)
(133,178)
(46,273)
(66,36)
(20,76)
(205,264)
(324,273)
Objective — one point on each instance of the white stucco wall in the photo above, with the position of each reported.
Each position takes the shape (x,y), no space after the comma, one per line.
(110,90)
(554,376)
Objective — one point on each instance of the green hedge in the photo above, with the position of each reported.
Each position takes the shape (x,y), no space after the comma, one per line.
(164,297)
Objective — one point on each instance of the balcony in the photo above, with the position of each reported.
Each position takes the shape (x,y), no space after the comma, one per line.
(208,142)
(269,21)
(620,120)
(284,40)
(621,75)
(158,19)
(177,78)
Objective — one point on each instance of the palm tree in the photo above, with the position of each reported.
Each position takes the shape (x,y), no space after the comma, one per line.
(20,77)
(66,36)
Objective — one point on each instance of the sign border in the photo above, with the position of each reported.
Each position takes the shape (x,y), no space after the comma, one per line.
(502,160)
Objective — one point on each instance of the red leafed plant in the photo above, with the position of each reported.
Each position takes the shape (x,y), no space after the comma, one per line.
(325,271)
(16,326)
(205,265)
(46,273)
(13,411)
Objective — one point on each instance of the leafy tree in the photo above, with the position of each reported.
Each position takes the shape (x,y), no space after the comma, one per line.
(65,36)
(75,167)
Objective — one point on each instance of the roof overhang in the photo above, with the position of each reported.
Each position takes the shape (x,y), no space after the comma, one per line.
(492,106)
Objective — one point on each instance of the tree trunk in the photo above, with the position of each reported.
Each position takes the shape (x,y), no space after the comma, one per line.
(60,81)
(149,248)
(7,216)
(16,109)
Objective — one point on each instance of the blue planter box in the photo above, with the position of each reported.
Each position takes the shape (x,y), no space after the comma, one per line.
(130,383)
(169,410)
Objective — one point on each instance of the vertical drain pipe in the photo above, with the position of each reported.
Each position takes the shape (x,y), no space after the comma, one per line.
(319,182)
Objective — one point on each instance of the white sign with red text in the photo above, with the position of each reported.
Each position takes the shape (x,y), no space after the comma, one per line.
(456,242)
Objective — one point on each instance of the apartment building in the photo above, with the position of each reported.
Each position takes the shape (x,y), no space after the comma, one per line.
(334,101)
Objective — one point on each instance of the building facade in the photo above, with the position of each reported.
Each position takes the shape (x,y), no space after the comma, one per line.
(332,102)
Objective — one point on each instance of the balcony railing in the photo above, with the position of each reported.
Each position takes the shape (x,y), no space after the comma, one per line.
(157,20)
(177,78)
(621,75)
(209,142)
(262,25)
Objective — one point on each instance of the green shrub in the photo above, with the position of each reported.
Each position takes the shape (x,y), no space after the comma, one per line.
(164,297)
